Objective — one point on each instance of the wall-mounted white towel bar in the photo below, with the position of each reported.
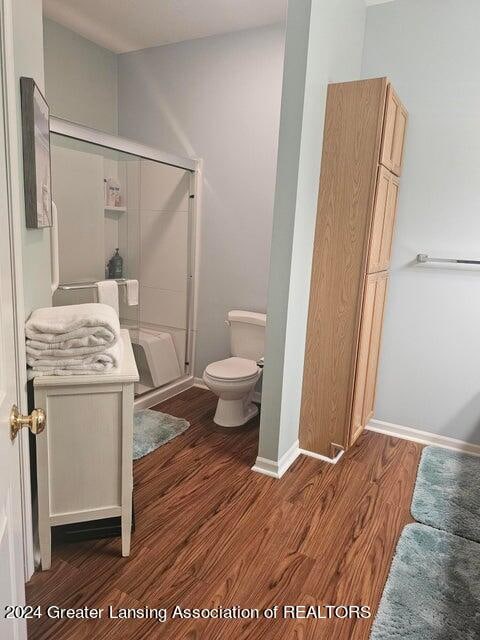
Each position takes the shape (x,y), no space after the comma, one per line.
(423,258)
(85,285)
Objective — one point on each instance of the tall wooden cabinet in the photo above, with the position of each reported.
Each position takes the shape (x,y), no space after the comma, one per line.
(362,157)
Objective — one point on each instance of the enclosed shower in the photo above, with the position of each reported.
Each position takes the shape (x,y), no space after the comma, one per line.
(139,207)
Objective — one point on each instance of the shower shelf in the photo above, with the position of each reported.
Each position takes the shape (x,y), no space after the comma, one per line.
(116,209)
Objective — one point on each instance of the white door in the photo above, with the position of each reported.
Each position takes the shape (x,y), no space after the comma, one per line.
(12,590)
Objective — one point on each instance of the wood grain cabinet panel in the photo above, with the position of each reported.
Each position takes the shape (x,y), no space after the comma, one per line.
(362,155)
(368,352)
(383,224)
(352,138)
(394,130)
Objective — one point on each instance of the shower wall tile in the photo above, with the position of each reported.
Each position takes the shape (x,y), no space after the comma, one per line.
(163,188)
(77,186)
(122,227)
(80,296)
(161,307)
(164,250)
(111,235)
(133,183)
(162,224)
(132,251)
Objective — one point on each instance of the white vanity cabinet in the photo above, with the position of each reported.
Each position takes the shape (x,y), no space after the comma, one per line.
(84,456)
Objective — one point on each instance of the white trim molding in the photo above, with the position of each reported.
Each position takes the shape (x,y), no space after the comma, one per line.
(152,398)
(13,146)
(422,437)
(196,182)
(198,382)
(318,456)
(276,469)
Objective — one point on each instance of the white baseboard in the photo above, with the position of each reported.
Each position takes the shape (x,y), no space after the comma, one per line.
(318,456)
(276,469)
(198,382)
(422,437)
(152,398)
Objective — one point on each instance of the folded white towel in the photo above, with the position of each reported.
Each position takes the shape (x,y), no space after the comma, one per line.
(58,350)
(131,293)
(75,339)
(72,326)
(108,293)
(98,363)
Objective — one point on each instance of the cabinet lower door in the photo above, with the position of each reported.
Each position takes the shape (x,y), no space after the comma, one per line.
(368,352)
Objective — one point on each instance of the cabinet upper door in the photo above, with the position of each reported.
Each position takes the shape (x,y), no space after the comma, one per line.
(368,352)
(383,221)
(395,125)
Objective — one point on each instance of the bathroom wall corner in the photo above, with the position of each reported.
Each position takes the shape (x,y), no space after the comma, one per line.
(276,469)
(315,56)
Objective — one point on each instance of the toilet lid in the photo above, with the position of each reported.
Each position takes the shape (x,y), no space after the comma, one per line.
(232,369)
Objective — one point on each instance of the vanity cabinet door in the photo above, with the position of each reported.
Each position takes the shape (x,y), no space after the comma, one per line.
(368,352)
(383,221)
(394,128)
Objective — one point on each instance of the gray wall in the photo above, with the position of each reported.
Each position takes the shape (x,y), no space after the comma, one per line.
(28,54)
(333,32)
(80,78)
(217,98)
(429,373)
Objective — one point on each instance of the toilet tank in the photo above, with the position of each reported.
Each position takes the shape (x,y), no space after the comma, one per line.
(247,334)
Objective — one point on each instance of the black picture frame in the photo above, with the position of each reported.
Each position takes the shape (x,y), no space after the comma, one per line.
(36,155)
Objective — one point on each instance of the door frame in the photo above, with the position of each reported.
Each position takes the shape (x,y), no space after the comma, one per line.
(13,150)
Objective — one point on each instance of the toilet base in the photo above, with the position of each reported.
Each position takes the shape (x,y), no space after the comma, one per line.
(234,413)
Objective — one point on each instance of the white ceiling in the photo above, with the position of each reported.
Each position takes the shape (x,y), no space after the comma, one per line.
(128,25)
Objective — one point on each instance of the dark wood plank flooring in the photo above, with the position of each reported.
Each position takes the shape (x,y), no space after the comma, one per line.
(210,532)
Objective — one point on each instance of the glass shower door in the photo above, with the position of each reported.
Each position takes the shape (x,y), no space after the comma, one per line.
(150,226)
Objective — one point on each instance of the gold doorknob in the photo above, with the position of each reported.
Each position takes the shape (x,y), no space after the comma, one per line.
(36,421)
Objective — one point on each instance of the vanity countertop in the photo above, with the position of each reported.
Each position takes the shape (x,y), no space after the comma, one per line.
(127,372)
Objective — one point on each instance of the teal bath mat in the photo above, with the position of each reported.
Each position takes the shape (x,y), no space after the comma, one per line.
(151,429)
(433,589)
(447,492)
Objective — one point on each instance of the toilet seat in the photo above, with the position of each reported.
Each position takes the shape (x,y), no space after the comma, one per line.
(232,369)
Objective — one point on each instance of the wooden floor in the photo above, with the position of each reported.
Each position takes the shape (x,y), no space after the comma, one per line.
(210,532)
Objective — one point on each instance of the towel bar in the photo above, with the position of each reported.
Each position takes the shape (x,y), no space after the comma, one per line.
(84,285)
(423,258)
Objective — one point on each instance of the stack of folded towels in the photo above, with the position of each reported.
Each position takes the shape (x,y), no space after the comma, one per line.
(73,340)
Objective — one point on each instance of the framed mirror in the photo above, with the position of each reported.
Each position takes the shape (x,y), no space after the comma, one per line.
(36,155)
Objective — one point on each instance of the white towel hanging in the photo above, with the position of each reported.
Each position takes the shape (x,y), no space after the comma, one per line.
(108,293)
(131,293)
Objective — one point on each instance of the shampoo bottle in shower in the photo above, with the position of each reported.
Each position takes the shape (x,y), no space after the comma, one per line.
(115,266)
(113,193)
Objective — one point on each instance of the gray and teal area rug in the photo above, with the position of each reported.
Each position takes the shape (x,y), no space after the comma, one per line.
(433,589)
(447,492)
(151,429)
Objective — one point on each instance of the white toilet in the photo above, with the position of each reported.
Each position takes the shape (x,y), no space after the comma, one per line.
(233,380)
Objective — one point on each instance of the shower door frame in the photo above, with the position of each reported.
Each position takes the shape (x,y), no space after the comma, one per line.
(195,167)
